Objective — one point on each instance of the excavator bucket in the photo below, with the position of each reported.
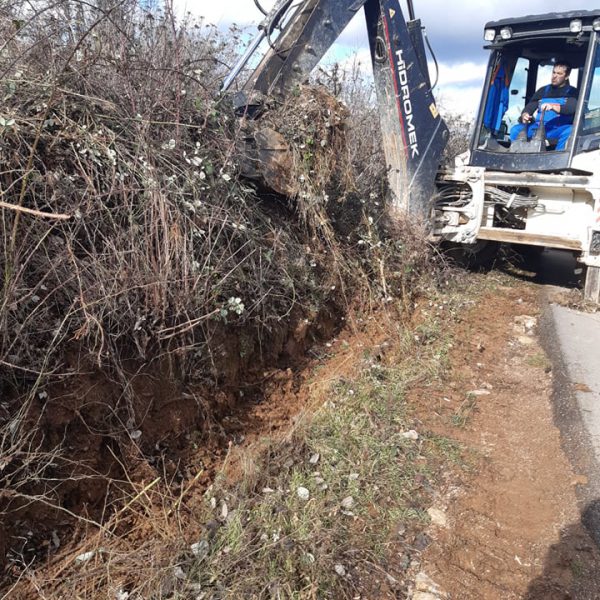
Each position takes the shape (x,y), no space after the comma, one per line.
(414,134)
(266,157)
(308,29)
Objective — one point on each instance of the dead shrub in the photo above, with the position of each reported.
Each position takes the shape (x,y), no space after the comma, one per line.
(129,245)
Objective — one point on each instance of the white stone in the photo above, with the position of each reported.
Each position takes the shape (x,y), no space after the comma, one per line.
(424,596)
(302,493)
(200,549)
(85,556)
(427,588)
(438,517)
(348,502)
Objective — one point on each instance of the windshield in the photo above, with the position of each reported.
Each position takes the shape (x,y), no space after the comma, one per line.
(532,96)
(591,113)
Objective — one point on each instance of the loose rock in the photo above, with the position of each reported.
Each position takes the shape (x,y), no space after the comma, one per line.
(85,556)
(302,493)
(525,324)
(428,588)
(200,549)
(438,517)
(424,596)
(348,502)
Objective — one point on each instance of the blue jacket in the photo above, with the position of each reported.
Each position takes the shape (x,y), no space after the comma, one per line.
(566,96)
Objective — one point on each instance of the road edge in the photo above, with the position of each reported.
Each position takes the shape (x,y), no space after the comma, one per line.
(575,439)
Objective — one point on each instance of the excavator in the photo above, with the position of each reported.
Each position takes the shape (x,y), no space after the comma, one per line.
(521,191)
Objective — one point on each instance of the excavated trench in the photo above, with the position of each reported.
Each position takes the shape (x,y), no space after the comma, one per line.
(93,446)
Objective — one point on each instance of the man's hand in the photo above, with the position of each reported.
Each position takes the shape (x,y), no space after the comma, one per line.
(550,106)
(526,118)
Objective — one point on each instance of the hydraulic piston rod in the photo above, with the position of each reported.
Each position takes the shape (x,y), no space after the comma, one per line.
(241,63)
(265,28)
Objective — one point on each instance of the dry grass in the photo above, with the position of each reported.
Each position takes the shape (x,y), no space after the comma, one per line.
(129,246)
(328,510)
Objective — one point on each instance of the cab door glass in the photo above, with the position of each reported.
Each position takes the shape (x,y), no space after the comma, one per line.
(591,115)
(499,99)
(516,99)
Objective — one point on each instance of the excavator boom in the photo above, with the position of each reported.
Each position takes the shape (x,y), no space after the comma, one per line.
(414,134)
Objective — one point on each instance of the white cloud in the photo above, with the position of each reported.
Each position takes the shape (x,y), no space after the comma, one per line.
(437,15)
(359,58)
(459,86)
(455,32)
(224,12)
(462,101)
(459,73)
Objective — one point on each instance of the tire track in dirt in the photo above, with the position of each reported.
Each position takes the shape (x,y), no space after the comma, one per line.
(513,527)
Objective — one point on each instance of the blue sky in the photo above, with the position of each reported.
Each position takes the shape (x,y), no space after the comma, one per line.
(455,31)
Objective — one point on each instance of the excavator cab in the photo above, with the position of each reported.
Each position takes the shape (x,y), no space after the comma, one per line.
(523,53)
(529,190)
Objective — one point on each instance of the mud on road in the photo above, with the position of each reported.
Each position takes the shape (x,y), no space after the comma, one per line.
(512,527)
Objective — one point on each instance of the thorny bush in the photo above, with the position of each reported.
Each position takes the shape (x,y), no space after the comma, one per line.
(127,236)
(111,116)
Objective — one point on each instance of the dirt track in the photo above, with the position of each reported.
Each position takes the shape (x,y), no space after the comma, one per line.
(514,528)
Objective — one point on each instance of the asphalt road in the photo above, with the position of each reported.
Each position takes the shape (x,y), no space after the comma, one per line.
(578,335)
(571,339)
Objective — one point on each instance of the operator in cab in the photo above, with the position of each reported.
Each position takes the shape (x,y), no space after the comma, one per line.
(557,103)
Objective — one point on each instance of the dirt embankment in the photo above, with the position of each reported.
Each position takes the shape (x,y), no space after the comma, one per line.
(94,445)
(504,521)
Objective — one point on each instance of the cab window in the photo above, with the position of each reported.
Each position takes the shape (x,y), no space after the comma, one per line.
(591,114)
